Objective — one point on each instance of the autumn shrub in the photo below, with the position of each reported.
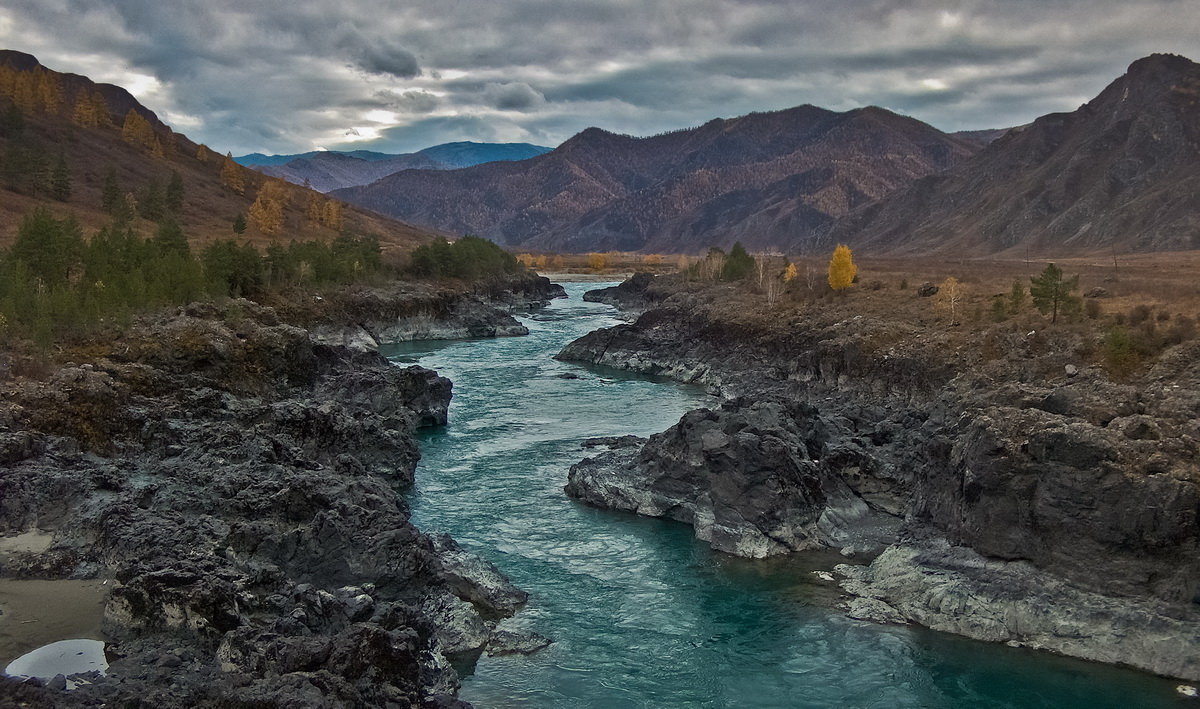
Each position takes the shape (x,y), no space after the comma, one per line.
(1092,309)
(1138,314)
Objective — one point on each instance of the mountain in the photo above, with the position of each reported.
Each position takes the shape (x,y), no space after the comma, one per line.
(767,179)
(257,159)
(326,170)
(1121,172)
(981,137)
(48,114)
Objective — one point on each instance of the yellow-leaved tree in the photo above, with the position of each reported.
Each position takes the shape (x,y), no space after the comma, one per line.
(266,214)
(950,296)
(841,268)
(231,175)
(790,273)
(137,131)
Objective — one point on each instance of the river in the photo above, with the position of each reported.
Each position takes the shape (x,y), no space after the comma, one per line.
(642,614)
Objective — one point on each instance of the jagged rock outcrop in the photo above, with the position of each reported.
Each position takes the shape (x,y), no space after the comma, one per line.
(749,477)
(366,319)
(241,484)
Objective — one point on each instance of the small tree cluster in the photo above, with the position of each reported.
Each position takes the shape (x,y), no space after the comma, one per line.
(266,213)
(320,210)
(137,131)
(468,258)
(54,284)
(91,110)
(36,90)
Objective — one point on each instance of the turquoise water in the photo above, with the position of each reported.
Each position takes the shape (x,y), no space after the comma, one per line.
(643,615)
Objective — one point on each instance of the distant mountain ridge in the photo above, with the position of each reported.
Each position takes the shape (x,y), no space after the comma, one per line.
(767,179)
(1122,171)
(326,170)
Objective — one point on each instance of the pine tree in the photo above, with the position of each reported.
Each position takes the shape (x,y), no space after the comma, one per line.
(111,197)
(239,224)
(174,197)
(738,264)
(12,123)
(841,268)
(169,238)
(1016,297)
(152,204)
(48,246)
(60,179)
(1051,293)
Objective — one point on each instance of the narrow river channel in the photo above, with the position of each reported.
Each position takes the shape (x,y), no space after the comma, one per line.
(642,614)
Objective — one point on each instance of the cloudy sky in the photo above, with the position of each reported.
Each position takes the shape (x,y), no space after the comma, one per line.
(295,75)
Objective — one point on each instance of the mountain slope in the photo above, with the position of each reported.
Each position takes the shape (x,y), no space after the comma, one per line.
(326,170)
(92,149)
(770,179)
(1122,171)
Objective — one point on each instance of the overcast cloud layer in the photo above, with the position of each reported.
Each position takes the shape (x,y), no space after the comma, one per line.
(294,75)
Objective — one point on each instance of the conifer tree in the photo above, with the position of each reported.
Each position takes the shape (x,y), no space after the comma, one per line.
(60,179)
(11,121)
(174,197)
(111,197)
(152,203)
(48,246)
(738,264)
(1051,293)
(169,238)
(1016,297)
(842,269)
(239,224)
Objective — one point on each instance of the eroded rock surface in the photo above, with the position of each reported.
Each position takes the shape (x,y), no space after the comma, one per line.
(240,485)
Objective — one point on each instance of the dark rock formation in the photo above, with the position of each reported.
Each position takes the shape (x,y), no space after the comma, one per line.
(365,319)
(748,477)
(241,485)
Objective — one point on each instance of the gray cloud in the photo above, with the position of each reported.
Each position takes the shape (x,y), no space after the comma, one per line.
(291,75)
(516,96)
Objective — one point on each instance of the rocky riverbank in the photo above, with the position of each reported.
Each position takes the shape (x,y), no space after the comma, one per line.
(1021,497)
(367,318)
(237,485)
